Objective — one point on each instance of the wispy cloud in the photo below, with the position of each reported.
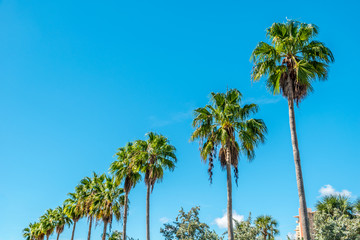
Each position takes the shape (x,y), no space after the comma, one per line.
(263,100)
(171,119)
(164,220)
(222,222)
(329,190)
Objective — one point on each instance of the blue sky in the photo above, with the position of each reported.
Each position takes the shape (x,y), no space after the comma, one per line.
(79,79)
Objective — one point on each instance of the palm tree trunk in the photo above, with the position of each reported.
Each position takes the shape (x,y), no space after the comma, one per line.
(73,231)
(299,178)
(58,235)
(104,232)
(47,237)
(90,225)
(148,213)
(229,196)
(125,215)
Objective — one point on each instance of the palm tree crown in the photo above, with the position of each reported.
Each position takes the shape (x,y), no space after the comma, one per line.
(292,60)
(153,156)
(61,219)
(108,202)
(124,169)
(267,226)
(329,204)
(223,122)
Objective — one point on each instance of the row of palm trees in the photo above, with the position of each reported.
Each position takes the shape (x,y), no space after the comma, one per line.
(101,197)
(290,63)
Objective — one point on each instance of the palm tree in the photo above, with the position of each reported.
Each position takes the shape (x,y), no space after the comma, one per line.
(154,155)
(34,232)
(72,208)
(108,202)
(267,226)
(224,122)
(47,222)
(329,204)
(291,63)
(125,171)
(87,190)
(61,219)
(28,233)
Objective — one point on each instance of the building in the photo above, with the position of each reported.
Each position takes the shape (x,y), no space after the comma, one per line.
(299,227)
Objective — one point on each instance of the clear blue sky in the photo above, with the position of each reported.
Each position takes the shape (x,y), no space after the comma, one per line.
(79,79)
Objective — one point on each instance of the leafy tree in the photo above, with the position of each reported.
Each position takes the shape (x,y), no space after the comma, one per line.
(244,230)
(73,209)
(291,63)
(125,171)
(226,123)
(61,219)
(267,226)
(336,225)
(86,191)
(108,202)
(329,204)
(188,227)
(153,156)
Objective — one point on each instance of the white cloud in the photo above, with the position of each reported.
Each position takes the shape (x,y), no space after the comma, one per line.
(222,222)
(329,190)
(164,220)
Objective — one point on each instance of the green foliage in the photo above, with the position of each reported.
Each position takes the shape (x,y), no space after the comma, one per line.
(124,169)
(336,226)
(267,226)
(329,204)
(293,60)
(226,123)
(153,156)
(245,230)
(108,200)
(61,219)
(116,235)
(187,226)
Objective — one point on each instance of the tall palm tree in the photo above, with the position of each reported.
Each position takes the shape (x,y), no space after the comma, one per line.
(226,124)
(47,222)
(291,63)
(154,155)
(125,171)
(61,219)
(108,202)
(87,190)
(73,209)
(267,226)
(329,204)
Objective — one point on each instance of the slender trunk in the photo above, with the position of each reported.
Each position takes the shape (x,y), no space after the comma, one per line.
(104,232)
(148,213)
(90,225)
(73,231)
(299,178)
(47,237)
(125,215)
(58,235)
(229,196)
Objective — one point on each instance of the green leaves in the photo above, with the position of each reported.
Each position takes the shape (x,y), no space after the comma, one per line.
(292,61)
(224,122)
